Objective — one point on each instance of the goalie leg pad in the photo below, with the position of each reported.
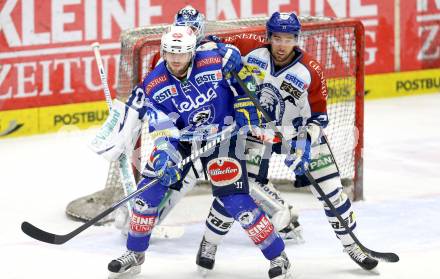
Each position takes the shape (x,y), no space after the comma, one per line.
(143,217)
(256,224)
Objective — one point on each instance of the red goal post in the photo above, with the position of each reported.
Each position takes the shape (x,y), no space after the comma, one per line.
(338,44)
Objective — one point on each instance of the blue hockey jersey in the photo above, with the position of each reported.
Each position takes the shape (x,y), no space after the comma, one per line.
(197,107)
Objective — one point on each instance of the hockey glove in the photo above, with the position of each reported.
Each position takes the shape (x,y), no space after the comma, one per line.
(246,114)
(300,158)
(165,169)
(231,58)
(214,38)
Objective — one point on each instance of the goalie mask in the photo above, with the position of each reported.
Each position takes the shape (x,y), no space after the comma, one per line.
(191,17)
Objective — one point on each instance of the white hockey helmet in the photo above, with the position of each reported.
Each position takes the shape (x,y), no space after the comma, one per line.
(178,39)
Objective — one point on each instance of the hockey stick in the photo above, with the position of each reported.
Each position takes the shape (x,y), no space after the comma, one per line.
(51,238)
(125,170)
(387,256)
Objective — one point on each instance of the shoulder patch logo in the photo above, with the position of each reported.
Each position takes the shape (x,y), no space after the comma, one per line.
(155,82)
(256,61)
(315,66)
(208,61)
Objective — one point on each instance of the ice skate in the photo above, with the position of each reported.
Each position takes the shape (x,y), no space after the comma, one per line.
(280,267)
(206,257)
(359,257)
(127,265)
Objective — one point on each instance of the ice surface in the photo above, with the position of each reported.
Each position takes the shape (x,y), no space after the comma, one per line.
(401,211)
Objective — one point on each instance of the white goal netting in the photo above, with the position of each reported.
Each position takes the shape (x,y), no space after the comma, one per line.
(336,43)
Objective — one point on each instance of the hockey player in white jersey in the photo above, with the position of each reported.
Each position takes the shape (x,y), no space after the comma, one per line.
(282,214)
(292,89)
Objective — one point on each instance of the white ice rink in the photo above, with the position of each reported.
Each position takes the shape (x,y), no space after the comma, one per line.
(401,213)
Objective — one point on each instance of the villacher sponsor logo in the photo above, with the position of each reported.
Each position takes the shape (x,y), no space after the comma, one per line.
(220,172)
(224,171)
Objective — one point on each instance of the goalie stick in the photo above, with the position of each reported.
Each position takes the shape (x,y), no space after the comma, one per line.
(125,170)
(384,256)
(52,238)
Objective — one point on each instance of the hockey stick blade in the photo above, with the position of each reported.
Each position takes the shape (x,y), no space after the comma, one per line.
(51,238)
(37,233)
(383,256)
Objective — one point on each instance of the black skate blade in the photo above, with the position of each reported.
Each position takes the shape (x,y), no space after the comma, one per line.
(38,234)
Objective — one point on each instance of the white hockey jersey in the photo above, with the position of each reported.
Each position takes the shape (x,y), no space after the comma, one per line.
(294,95)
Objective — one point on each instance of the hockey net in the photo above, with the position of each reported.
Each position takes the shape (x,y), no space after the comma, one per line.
(338,44)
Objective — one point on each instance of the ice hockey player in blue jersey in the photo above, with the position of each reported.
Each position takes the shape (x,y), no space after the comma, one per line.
(281,213)
(188,101)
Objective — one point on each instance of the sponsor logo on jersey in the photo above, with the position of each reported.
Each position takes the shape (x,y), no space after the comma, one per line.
(208,61)
(260,63)
(196,102)
(321,163)
(155,82)
(141,224)
(289,88)
(315,66)
(261,230)
(165,93)
(297,82)
(209,76)
(224,171)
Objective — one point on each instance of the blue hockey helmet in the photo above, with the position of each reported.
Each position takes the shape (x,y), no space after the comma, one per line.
(189,16)
(283,23)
